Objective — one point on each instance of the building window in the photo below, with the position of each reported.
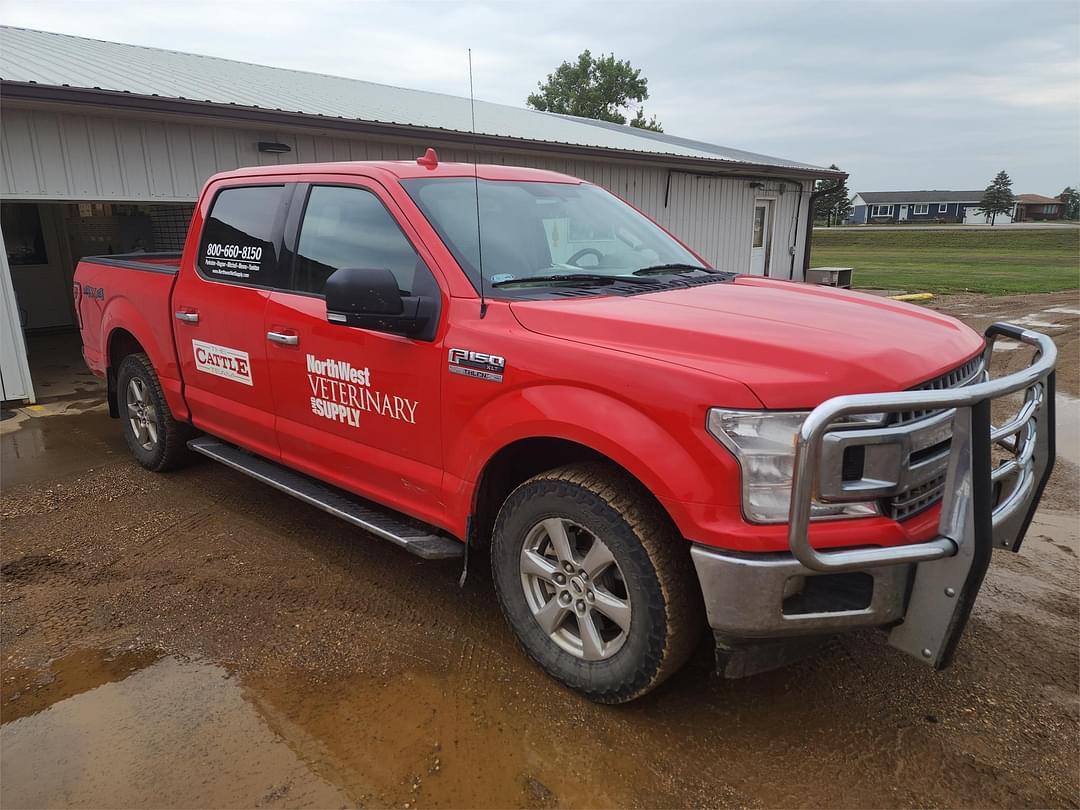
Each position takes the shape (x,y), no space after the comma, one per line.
(1050,209)
(922,208)
(881,210)
(759,226)
(23,236)
(943,208)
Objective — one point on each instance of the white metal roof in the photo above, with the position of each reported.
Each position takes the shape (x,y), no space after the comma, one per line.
(61,60)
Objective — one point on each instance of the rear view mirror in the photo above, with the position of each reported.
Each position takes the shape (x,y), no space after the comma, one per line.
(369,298)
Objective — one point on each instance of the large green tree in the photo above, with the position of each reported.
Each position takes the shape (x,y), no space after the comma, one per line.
(1071,197)
(832,203)
(997,198)
(603,87)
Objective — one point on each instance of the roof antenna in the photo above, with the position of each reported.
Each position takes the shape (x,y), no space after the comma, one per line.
(476,189)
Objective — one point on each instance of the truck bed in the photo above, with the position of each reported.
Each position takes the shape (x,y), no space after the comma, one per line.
(116,296)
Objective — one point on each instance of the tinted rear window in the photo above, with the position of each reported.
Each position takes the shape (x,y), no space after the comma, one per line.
(237,241)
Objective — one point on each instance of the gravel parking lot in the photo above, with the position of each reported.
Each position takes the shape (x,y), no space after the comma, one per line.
(197,639)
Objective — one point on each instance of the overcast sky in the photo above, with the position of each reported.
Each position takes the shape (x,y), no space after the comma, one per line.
(903,95)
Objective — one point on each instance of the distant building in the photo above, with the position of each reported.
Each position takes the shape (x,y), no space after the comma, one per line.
(886,207)
(889,207)
(1037,208)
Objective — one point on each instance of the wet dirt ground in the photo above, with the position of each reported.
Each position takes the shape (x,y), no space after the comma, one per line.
(196,639)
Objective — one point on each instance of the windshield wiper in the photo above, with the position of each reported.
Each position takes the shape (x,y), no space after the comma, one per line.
(658,269)
(572,278)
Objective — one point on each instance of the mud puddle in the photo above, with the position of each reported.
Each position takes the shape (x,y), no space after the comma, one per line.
(36,445)
(144,729)
(138,731)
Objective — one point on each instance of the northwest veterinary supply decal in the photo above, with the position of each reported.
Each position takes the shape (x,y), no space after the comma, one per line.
(340,392)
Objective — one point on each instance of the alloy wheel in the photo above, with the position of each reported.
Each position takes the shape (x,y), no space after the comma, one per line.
(575,589)
(142,414)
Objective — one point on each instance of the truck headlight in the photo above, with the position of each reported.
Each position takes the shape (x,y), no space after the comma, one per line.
(763,442)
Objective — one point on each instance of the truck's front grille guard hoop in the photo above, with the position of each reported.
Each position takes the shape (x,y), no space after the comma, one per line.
(1017,437)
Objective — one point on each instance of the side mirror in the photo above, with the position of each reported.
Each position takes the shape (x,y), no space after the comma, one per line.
(369,298)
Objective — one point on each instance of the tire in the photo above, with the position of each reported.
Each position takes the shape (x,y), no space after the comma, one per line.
(632,650)
(154,437)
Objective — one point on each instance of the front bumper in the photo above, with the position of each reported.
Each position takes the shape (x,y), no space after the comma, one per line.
(762,596)
(923,591)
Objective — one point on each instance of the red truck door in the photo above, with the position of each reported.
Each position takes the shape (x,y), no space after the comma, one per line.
(219,304)
(355,407)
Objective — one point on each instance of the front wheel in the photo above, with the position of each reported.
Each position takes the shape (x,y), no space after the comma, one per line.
(595,582)
(154,437)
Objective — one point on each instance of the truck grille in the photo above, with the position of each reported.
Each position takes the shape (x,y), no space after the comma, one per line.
(919,498)
(969,372)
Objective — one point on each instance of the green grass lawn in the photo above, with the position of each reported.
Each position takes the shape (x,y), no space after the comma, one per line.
(994,262)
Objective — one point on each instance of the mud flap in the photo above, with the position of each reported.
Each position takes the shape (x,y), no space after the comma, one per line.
(978,517)
(943,591)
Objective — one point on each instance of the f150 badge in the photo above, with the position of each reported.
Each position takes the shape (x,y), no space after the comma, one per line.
(478,365)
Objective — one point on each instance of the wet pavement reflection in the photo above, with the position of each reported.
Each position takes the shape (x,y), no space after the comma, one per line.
(132,731)
(139,729)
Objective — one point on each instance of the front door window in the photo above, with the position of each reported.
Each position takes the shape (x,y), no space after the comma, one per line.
(349,227)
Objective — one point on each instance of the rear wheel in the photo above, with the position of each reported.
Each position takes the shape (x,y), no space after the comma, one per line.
(595,582)
(154,437)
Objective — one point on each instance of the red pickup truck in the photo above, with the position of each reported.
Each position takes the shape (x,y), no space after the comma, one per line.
(454,357)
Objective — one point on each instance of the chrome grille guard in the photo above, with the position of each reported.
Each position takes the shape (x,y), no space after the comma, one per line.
(985,506)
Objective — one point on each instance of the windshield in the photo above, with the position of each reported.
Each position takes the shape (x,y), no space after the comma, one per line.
(553,232)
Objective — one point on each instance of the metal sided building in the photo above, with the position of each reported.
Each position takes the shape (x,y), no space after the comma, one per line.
(105,147)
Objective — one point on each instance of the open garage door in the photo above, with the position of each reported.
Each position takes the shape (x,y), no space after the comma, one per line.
(973,217)
(43,242)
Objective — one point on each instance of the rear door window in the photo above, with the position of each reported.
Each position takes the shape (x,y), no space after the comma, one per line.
(238,240)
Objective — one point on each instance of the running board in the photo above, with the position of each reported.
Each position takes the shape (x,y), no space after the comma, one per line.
(418,538)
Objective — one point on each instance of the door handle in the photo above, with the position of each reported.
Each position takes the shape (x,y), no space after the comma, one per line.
(187,317)
(282,338)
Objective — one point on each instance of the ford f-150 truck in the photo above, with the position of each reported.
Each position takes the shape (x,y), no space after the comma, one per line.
(456,357)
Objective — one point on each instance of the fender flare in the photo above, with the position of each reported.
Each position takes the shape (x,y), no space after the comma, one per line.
(121,313)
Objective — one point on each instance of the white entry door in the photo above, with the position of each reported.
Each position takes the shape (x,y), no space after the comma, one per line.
(761,243)
(903,213)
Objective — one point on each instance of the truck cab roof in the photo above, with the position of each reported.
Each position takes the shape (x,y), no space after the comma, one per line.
(393,170)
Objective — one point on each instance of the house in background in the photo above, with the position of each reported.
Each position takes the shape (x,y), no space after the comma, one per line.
(887,207)
(1037,208)
(890,207)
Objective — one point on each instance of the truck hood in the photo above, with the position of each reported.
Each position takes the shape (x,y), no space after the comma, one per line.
(792,344)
